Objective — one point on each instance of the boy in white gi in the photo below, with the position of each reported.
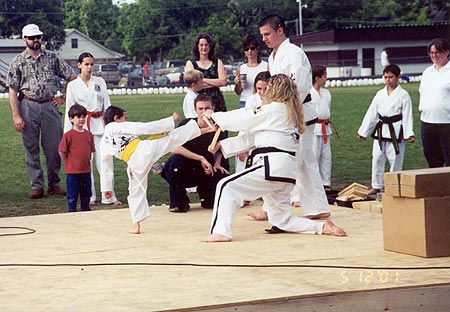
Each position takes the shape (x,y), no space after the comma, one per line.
(194,82)
(390,122)
(321,98)
(273,130)
(121,140)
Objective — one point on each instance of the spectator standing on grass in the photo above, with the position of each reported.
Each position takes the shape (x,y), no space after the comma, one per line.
(193,165)
(194,82)
(146,72)
(76,148)
(434,105)
(389,120)
(90,92)
(34,107)
(251,67)
(214,73)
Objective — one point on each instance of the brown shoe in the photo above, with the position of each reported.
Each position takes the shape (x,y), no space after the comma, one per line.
(35,194)
(56,190)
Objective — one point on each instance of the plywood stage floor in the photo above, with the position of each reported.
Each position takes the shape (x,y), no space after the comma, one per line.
(88,262)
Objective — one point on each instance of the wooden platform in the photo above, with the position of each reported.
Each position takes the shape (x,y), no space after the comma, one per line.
(88,262)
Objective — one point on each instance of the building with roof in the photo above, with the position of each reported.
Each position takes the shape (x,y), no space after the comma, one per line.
(75,44)
(356,51)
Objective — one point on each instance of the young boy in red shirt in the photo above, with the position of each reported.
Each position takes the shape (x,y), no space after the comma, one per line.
(76,148)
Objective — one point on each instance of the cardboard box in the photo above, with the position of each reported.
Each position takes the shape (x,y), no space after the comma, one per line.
(419,227)
(392,183)
(418,183)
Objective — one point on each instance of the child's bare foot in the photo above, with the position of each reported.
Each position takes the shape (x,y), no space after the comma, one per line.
(137,228)
(258,216)
(329,228)
(296,204)
(323,215)
(215,238)
(117,203)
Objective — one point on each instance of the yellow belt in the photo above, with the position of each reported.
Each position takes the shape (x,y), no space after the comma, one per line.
(132,145)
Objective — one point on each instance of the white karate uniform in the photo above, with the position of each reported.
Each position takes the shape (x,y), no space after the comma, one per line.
(119,134)
(398,102)
(292,61)
(322,150)
(188,104)
(270,176)
(94,97)
(252,102)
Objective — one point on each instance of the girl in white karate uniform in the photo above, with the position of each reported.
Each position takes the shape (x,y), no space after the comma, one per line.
(273,131)
(121,141)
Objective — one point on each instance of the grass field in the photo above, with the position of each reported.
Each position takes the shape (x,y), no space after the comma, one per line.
(351,157)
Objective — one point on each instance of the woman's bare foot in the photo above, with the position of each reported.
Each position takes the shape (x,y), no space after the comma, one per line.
(329,228)
(137,228)
(117,203)
(215,238)
(296,204)
(258,216)
(323,215)
(92,202)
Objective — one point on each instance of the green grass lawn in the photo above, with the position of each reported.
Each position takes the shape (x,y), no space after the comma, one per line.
(351,157)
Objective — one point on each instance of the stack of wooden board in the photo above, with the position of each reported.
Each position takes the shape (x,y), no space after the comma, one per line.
(416,212)
(354,191)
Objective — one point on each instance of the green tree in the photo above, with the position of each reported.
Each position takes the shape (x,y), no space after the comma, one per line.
(95,18)
(47,14)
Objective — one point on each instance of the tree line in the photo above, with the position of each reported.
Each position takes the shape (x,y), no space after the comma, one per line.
(165,29)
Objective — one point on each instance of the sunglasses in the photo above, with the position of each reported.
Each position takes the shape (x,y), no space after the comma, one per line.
(250,49)
(32,38)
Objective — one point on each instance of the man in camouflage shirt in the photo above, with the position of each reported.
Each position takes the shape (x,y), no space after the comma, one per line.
(32,89)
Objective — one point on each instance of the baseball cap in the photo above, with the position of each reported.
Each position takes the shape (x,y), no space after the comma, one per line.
(31,30)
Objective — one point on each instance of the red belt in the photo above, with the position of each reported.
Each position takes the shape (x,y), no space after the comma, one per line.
(324,123)
(93,115)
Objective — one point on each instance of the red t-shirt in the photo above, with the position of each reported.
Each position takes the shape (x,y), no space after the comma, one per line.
(78,146)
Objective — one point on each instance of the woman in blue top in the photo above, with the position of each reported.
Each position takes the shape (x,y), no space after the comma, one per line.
(214,73)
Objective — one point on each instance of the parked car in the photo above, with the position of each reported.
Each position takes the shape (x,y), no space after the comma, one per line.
(109,72)
(126,67)
(174,77)
(166,67)
(135,78)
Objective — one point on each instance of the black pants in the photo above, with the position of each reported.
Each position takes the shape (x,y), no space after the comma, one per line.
(436,144)
(180,174)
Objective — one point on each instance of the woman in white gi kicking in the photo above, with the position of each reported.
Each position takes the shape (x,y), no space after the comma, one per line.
(272,130)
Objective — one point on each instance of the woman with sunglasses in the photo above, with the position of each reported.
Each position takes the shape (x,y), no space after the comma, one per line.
(252,66)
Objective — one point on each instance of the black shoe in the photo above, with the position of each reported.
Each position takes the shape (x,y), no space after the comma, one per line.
(275,230)
(177,209)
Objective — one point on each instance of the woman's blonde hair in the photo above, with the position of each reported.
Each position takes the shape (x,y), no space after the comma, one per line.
(282,89)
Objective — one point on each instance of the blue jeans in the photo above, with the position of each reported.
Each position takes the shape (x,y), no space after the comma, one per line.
(78,184)
(241,104)
(436,144)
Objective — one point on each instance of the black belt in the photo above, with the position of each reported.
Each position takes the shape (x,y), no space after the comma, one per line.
(307,99)
(312,121)
(264,150)
(377,134)
(37,101)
